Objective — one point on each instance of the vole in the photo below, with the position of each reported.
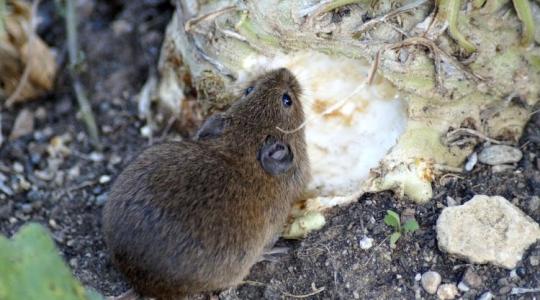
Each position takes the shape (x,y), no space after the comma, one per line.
(194,216)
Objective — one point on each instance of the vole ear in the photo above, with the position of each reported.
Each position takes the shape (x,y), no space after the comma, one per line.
(213,127)
(275,156)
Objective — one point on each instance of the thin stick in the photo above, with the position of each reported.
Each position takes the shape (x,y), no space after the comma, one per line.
(188,26)
(30,51)
(475,133)
(404,8)
(73,49)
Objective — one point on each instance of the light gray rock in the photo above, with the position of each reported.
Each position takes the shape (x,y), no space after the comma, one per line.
(486,230)
(431,281)
(486,296)
(447,291)
(499,154)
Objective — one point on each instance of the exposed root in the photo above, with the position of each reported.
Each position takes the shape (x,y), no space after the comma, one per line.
(451,9)
(375,21)
(30,52)
(454,135)
(188,26)
(524,13)
(325,6)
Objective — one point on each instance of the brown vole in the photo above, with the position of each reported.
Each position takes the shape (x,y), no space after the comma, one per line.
(194,216)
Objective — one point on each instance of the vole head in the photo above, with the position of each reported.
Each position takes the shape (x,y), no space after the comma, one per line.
(272,100)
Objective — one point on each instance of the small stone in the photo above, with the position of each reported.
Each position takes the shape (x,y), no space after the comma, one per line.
(471,162)
(18,167)
(96,157)
(505,290)
(366,243)
(447,291)
(34,195)
(24,124)
(417,277)
(26,208)
(486,230)
(534,204)
(534,260)
(472,279)
(101,199)
(104,179)
(430,281)
(73,262)
(356,295)
(486,296)
(115,159)
(6,210)
(41,113)
(499,154)
(146,131)
(463,287)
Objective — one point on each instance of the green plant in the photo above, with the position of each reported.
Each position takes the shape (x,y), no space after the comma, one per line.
(30,268)
(393,220)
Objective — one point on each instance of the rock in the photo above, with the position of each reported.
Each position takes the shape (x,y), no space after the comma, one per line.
(521,272)
(366,243)
(447,291)
(486,230)
(471,279)
(499,154)
(430,281)
(486,296)
(501,168)
(471,162)
(24,124)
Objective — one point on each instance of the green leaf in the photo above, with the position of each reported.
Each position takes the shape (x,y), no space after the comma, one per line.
(30,268)
(411,225)
(392,219)
(394,238)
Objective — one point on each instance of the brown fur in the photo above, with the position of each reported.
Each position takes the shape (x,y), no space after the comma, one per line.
(194,216)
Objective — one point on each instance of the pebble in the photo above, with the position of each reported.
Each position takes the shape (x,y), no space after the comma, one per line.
(471,279)
(73,262)
(500,154)
(505,290)
(5,210)
(34,195)
(447,291)
(486,296)
(26,208)
(96,157)
(104,179)
(451,201)
(356,295)
(146,131)
(101,199)
(471,162)
(18,167)
(501,168)
(463,287)
(24,124)
(521,272)
(534,204)
(366,243)
(534,260)
(431,281)
(417,277)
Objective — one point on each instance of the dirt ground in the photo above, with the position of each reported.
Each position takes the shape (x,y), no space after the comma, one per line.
(65,189)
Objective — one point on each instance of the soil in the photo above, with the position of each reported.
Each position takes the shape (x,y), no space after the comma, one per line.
(54,176)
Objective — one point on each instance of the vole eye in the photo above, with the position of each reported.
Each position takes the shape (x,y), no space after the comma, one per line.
(248,90)
(286,99)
